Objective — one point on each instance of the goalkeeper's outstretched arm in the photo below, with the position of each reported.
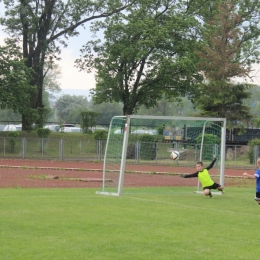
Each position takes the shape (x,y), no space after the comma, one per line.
(192,175)
(212,163)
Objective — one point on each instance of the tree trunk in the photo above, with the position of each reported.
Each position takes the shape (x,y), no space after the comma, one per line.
(127,110)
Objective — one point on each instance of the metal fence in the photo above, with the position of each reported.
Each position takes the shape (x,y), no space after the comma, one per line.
(91,150)
(51,149)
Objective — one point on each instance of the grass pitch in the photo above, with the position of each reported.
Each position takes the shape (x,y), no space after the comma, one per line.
(77,224)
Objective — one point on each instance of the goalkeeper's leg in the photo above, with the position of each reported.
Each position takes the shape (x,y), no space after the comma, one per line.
(207,192)
(216,186)
(220,188)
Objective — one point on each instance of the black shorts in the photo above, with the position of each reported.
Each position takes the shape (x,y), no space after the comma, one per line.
(257,196)
(214,186)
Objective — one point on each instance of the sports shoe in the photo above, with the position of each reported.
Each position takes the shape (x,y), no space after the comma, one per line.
(210,195)
(222,191)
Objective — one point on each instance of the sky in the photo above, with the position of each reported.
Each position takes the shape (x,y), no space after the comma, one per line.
(71,78)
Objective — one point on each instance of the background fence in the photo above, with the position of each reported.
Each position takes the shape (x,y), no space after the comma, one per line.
(91,150)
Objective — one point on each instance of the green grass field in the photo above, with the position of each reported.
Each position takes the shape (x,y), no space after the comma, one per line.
(78,224)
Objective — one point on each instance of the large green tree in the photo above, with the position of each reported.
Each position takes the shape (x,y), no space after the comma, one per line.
(147,54)
(50,86)
(228,48)
(15,87)
(43,27)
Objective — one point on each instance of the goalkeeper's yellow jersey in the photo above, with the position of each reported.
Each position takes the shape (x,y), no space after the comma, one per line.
(205,178)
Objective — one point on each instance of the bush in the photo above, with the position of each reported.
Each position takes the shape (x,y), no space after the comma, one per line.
(160,130)
(100,135)
(11,138)
(88,120)
(43,132)
(208,139)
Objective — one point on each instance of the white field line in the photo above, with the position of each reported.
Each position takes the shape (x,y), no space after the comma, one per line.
(197,207)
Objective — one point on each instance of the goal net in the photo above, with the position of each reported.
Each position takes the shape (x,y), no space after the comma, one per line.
(138,151)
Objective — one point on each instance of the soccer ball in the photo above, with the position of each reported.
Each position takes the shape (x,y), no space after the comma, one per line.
(175,155)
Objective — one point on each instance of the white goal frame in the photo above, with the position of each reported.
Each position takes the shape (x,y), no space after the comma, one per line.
(125,144)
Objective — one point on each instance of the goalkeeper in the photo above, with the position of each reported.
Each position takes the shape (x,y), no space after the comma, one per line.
(204,178)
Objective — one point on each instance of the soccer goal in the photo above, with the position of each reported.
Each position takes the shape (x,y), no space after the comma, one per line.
(139,146)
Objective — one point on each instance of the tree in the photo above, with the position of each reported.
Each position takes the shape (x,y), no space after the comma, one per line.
(147,55)
(9,115)
(40,26)
(52,72)
(254,104)
(89,120)
(228,49)
(50,86)
(15,87)
(182,107)
(66,105)
(107,111)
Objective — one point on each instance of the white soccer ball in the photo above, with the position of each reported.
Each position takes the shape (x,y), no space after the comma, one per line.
(175,155)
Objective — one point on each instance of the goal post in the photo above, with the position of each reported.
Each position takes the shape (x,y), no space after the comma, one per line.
(114,152)
(137,142)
